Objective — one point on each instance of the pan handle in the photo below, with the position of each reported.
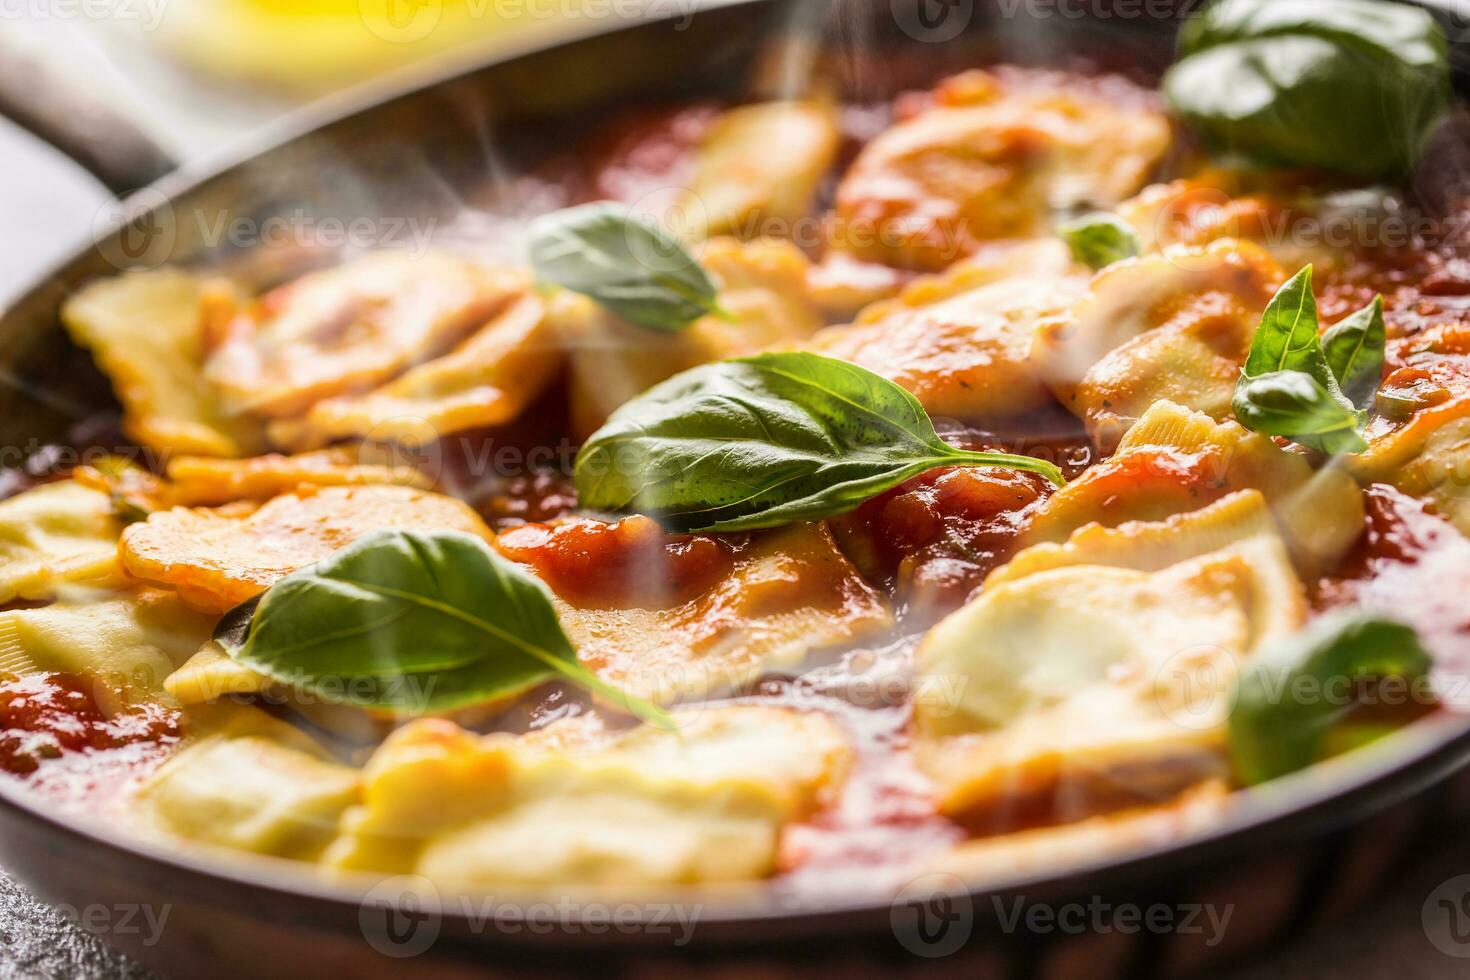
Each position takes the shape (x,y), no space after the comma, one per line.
(38,94)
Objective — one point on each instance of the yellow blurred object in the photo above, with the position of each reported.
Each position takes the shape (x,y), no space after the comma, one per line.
(316,45)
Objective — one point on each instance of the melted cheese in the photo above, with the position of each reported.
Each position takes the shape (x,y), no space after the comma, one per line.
(218,558)
(1175,326)
(55,533)
(793,593)
(128,640)
(929,190)
(757,172)
(1174,461)
(351,328)
(196,481)
(487,380)
(703,803)
(761,284)
(965,353)
(145,330)
(1090,684)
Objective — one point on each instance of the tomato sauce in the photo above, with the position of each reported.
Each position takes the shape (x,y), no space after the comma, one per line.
(933,539)
(1413,566)
(45,717)
(631,564)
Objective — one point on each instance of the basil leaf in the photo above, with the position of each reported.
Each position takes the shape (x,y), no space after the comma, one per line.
(1099,240)
(1291,696)
(1287,338)
(1287,387)
(1293,404)
(625,263)
(1347,86)
(410,622)
(765,441)
(1354,349)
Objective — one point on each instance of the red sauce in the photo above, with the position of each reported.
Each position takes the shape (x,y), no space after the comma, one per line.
(45,717)
(633,563)
(1168,481)
(531,498)
(646,152)
(1414,566)
(935,538)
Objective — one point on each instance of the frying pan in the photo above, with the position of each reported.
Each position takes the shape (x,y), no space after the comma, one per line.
(1299,850)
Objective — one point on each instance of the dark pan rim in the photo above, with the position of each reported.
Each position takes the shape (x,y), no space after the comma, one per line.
(1329,795)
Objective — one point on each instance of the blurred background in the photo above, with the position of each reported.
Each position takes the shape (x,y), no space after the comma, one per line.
(205,72)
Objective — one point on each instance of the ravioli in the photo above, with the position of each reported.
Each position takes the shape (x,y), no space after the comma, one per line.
(761,284)
(757,170)
(146,331)
(1173,461)
(218,558)
(129,640)
(792,593)
(705,802)
(196,481)
(990,161)
(1083,687)
(966,353)
(487,380)
(55,533)
(250,783)
(352,328)
(1174,326)
(1099,838)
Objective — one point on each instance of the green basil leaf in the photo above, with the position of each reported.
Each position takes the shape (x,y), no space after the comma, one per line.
(411,622)
(1287,388)
(765,441)
(1293,694)
(1099,240)
(1354,349)
(625,263)
(1346,86)
(1287,339)
(1295,405)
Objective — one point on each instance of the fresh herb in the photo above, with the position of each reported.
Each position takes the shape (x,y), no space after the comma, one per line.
(1346,86)
(625,263)
(1290,699)
(411,622)
(1099,240)
(1291,388)
(1354,350)
(765,441)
